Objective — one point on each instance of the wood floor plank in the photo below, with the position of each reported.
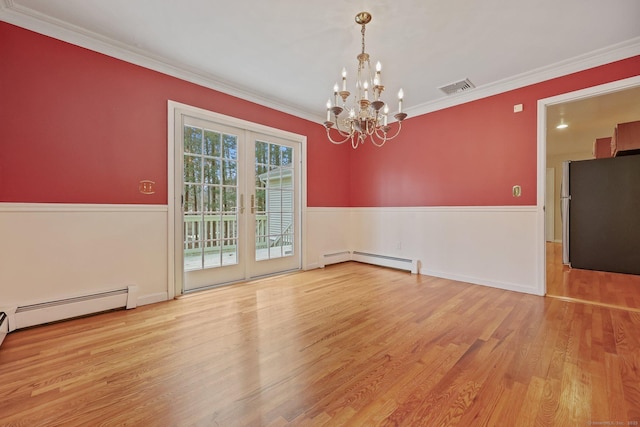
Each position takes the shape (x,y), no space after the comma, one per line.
(531,403)
(348,345)
(613,290)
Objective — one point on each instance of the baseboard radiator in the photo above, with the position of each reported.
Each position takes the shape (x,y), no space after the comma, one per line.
(406,264)
(52,311)
(335,258)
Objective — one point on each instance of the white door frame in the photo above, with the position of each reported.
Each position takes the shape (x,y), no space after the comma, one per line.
(174,211)
(550,205)
(589,92)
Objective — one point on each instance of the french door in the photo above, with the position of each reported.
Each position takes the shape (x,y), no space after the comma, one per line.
(274,199)
(240,197)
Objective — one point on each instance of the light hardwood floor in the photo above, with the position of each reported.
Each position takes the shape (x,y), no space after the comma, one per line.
(351,344)
(594,287)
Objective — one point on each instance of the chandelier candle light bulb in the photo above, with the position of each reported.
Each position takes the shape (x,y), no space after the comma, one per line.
(365,119)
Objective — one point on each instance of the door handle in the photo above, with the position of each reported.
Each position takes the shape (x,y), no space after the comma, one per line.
(242,203)
(253,203)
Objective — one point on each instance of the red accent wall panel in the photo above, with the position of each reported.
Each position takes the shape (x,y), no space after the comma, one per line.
(470,154)
(82,127)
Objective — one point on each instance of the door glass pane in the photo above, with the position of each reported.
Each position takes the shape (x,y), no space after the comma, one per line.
(212,143)
(273,205)
(229,199)
(287,201)
(261,176)
(262,153)
(192,168)
(212,171)
(287,156)
(274,154)
(229,172)
(275,251)
(230,147)
(261,201)
(210,199)
(192,198)
(192,140)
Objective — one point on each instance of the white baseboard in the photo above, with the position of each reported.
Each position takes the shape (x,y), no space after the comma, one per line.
(311,266)
(153,298)
(482,282)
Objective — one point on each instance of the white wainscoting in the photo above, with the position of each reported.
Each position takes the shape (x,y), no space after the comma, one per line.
(327,231)
(492,246)
(50,252)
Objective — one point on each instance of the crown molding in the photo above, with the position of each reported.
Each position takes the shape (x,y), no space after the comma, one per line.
(29,19)
(596,58)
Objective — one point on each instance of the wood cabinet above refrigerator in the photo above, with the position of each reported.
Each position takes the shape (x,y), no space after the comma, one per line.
(626,139)
(602,148)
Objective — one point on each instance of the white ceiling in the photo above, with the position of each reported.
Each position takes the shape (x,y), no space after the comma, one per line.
(288,53)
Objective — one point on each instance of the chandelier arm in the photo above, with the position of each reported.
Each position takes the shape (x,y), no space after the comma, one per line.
(382,140)
(389,138)
(343,133)
(340,133)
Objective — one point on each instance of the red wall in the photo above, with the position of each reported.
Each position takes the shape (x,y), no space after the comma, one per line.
(82,127)
(468,155)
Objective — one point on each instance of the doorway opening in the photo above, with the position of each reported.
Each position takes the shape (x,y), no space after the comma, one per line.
(590,113)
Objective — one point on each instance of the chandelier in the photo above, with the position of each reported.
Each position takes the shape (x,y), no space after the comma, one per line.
(364,117)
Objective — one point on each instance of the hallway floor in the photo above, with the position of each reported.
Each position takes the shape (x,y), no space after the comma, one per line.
(602,288)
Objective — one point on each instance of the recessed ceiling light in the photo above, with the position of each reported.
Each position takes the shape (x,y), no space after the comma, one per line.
(562,124)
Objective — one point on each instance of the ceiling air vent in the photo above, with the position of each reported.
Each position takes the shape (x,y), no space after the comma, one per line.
(457,87)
